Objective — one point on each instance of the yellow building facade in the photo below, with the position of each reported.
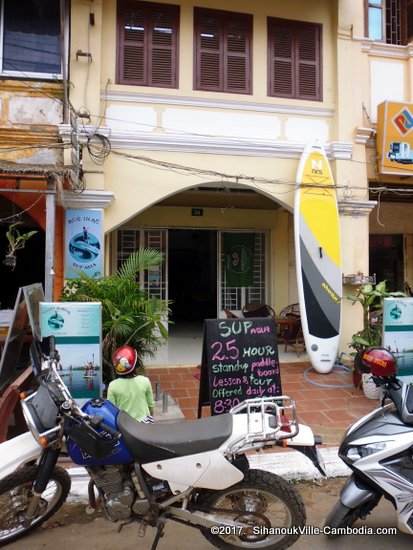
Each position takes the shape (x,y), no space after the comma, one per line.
(194,160)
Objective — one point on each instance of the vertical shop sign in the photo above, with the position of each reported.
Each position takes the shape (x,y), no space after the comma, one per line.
(84,243)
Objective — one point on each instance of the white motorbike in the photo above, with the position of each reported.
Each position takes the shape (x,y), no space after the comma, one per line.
(192,472)
(378,450)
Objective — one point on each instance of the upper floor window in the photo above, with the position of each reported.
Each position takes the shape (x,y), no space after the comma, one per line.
(147,44)
(389,21)
(222,51)
(30,44)
(294,59)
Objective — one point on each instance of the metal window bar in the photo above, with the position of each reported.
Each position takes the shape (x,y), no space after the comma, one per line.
(129,240)
(394,22)
(155,279)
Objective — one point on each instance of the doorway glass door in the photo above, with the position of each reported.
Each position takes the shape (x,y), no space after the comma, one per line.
(245,249)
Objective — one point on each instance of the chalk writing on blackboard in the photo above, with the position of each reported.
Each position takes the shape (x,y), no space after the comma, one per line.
(239,361)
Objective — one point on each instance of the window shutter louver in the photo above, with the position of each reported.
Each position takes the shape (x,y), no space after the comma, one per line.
(281,61)
(163,47)
(148,44)
(237,54)
(409,21)
(223,44)
(132,46)
(308,63)
(294,59)
(209,45)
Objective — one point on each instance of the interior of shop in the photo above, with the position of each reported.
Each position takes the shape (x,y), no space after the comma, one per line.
(387,260)
(29,266)
(192,266)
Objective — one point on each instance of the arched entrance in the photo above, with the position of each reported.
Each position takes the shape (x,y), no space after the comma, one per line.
(29,260)
(195,229)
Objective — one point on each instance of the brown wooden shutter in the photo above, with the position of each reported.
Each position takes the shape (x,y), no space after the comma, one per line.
(208,44)
(163,46)
(131,44)
(308,61)
(148,44)
(409,21)
(222,51)
(281,58)
(237,54)
(294,59)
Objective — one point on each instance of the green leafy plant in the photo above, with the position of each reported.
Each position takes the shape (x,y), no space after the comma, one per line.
(16,241)
(371,297)
(129,315)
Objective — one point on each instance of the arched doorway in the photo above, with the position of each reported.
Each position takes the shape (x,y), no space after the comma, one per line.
(194,228)
(30,260)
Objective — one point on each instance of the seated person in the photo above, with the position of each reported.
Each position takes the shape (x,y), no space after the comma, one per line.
(131,392)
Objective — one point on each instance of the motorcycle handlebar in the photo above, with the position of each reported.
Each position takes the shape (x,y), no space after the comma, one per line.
(97,422)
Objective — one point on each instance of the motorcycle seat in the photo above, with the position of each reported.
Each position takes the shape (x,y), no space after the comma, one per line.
(151,442)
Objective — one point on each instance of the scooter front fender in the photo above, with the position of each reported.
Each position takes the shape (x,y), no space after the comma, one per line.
(356,493)
(18,452)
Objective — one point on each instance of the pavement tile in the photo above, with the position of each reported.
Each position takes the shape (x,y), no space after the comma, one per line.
(328,411)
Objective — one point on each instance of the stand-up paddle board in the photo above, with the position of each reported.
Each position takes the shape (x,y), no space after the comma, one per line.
(318,257)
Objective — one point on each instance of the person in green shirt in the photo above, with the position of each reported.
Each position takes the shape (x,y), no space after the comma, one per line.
(131,392)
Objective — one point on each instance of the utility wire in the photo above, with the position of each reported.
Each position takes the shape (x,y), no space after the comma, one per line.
(19,214)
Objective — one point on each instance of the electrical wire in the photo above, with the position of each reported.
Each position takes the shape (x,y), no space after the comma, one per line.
(98,147)
(19,214)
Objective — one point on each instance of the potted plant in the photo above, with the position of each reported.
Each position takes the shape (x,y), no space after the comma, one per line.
(370,297)
(16,241)
(129,315)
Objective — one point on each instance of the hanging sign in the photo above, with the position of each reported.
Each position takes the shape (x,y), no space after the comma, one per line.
(77,327)
(239,257)
(84,243)
(239,361)
(395,138)
(398,332)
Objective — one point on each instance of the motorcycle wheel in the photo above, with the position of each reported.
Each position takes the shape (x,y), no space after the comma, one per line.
(340,516)
(15,493)
(273,502)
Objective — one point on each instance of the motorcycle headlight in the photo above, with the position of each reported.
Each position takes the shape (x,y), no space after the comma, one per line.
(40,414)
(361,451)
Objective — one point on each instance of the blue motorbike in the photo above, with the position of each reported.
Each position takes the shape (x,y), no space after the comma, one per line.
(192,472)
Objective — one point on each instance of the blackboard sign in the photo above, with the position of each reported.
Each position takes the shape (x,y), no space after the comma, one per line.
(239,361)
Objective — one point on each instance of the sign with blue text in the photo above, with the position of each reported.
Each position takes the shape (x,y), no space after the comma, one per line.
(398,332)
(84,243)
(77,327)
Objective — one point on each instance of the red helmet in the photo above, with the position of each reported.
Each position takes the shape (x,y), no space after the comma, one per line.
(379,362)
(124,360)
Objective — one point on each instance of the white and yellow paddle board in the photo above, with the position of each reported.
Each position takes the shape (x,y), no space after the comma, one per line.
(318,257)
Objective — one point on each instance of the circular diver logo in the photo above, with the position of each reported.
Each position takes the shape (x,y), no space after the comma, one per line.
(55,321)
(84,247)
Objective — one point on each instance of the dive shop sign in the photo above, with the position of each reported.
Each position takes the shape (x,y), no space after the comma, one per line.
(84,243)
(395,138)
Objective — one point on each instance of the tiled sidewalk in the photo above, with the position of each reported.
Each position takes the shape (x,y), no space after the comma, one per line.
(327,410)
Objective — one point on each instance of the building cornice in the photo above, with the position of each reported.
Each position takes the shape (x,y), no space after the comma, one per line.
(381,49)
(364,135)
(152,141)
(184,101)
(352,207)
(90,198)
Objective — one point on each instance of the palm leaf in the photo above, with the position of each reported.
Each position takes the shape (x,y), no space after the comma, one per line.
(139,261)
